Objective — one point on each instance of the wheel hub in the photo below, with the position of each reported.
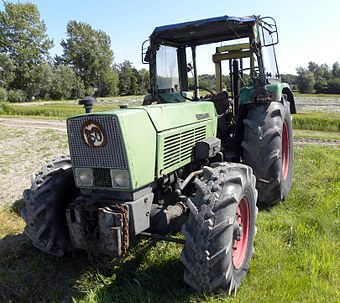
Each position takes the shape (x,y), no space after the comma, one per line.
(237,230)
(241,231)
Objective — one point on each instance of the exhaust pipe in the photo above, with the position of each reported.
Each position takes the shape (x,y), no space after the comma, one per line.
(88,103)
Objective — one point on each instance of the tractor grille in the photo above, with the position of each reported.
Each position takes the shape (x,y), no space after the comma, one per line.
(102,177)
(109,155)
(179,147)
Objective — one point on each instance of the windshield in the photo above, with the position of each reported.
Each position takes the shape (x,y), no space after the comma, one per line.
(167,69)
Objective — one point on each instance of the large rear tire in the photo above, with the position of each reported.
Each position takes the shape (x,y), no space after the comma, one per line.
(268,149)
(45,205)
(220,229)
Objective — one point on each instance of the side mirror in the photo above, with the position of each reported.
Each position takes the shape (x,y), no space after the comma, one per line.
(146,52)
(189,67)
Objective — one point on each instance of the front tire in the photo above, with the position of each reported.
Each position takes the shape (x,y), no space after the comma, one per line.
(268,149)
(45,205)
(220,229)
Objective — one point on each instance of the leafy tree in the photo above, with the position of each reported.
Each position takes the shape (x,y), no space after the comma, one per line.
(305,80)
(65,84)
(7,69)
(24,40)
(336,70)
(3,94)
(319,71)
(88,52)
(42,81)
(128,78)
(321,86)
(109,86)
(143,81)
(333,86)
(290,79)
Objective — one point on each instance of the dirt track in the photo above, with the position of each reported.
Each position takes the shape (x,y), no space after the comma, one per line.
(33,123)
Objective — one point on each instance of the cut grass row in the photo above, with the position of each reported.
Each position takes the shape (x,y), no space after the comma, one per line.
(297,94)
(298,133)
(296,257)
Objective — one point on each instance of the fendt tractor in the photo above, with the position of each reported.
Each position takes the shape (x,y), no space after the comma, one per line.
(190,159)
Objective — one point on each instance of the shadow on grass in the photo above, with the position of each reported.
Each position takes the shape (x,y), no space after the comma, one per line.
(28,275)
(140,280)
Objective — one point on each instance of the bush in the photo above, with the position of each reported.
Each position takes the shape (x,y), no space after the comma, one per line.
(3,94)
(89,91)
(333,86)
(16,95)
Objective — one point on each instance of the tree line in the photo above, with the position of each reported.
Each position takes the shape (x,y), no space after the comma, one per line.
(86,66)
(320,79)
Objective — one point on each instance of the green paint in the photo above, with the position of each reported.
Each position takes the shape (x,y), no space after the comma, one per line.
(247,92)
(169,116)
(145,129)
(139,137)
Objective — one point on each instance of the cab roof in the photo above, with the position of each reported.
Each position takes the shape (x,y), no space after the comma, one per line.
(204,31)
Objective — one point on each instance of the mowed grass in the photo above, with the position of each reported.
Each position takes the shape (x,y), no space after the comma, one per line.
(298,133)
(297,253)
(297,94)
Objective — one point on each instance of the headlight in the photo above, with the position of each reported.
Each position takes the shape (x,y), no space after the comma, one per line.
(120,178)
(84,177)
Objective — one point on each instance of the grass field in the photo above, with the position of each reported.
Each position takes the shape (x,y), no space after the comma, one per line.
(296,259)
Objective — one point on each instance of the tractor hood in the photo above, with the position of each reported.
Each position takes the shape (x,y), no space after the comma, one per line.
(169,116)
(137,142)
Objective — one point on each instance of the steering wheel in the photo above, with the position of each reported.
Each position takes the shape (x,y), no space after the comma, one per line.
(201,99)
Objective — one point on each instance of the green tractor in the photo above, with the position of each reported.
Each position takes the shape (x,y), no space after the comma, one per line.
(189,159)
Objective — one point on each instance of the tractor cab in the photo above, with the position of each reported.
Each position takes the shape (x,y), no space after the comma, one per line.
(239,51)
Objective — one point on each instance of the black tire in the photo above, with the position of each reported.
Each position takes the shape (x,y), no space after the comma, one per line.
(209,256)
(45,204)
(268,149)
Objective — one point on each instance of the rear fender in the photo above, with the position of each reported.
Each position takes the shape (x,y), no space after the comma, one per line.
(273,92)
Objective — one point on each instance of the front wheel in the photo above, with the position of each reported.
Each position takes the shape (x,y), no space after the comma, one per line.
(45,204)
(220,229)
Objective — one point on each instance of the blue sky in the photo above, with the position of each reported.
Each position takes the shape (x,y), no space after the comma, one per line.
(308,30)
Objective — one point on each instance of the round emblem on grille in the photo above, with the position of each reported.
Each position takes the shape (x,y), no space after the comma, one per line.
(93,134)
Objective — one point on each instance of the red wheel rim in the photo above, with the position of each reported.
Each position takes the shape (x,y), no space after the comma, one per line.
(285,151)
(241,242)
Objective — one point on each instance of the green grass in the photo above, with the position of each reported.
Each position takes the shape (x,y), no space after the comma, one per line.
(298,133)
(328,122)
(62,110)
(296,259)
